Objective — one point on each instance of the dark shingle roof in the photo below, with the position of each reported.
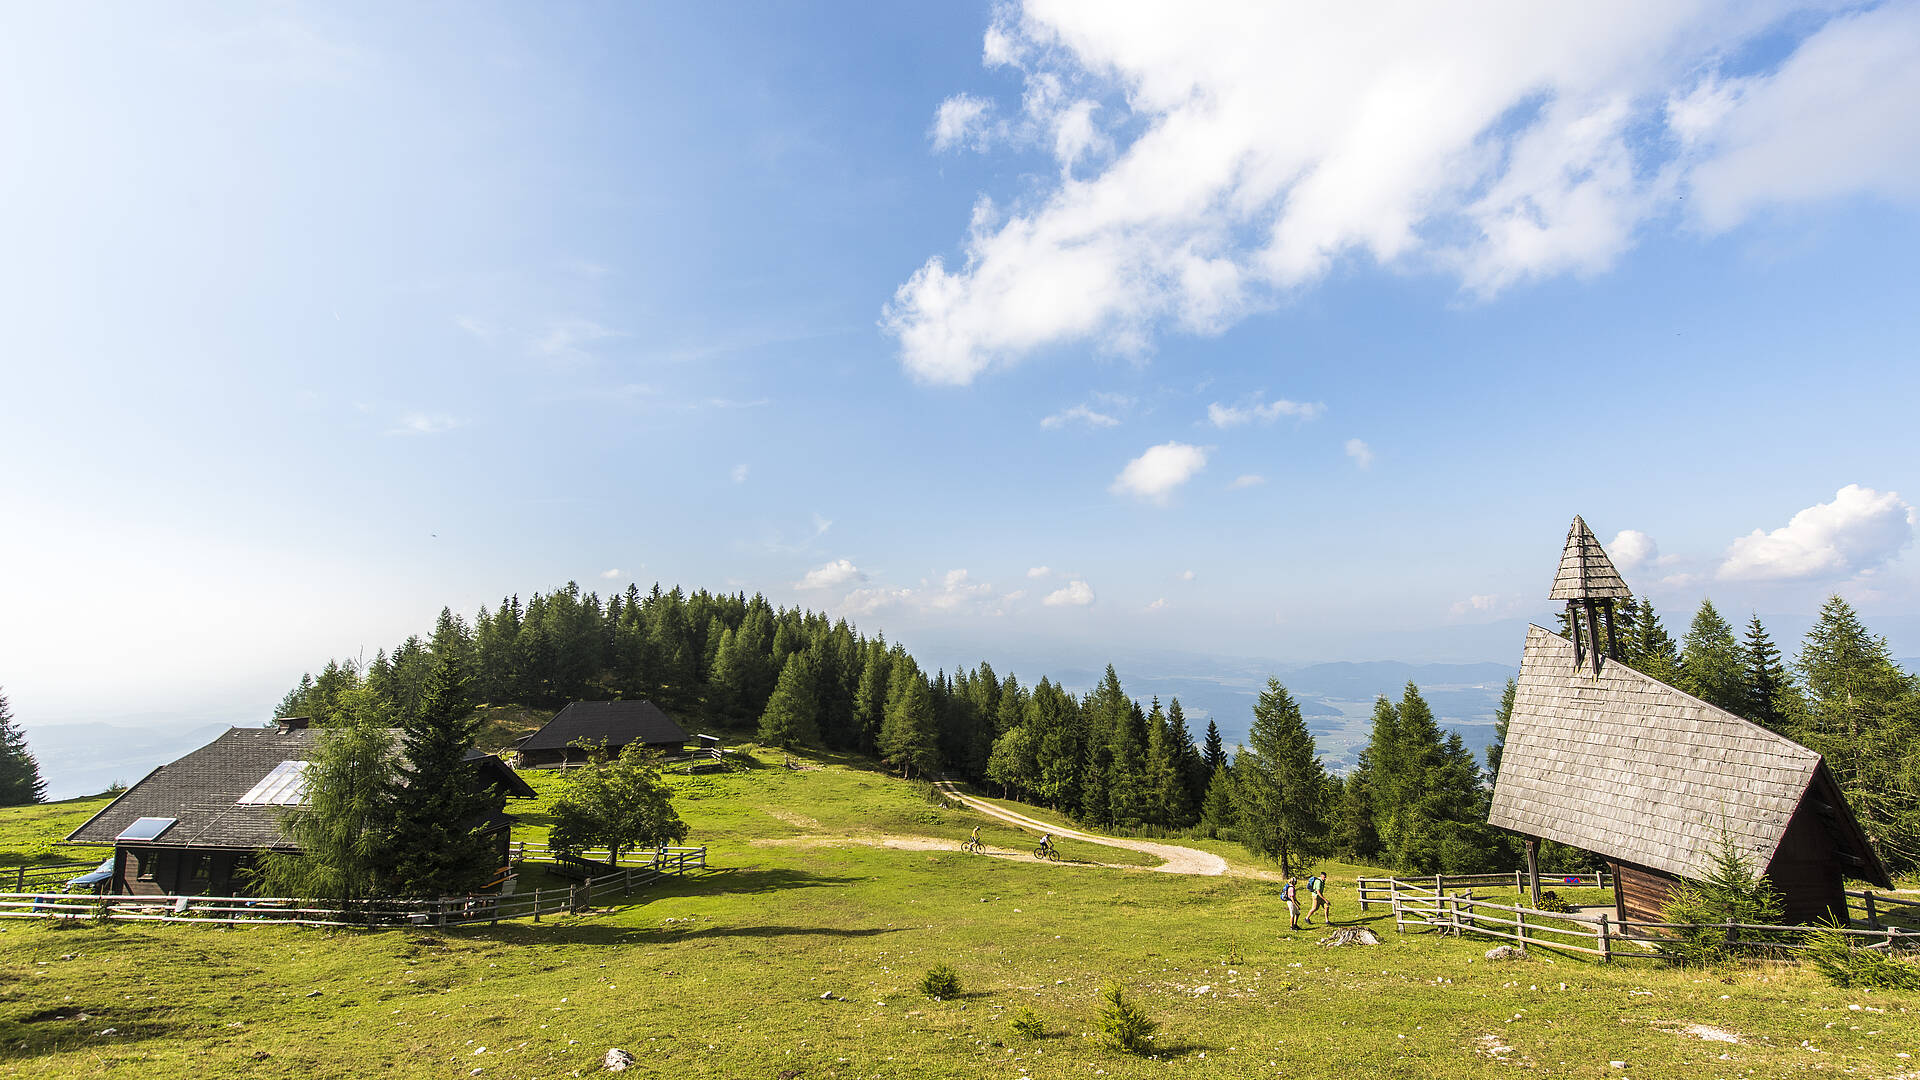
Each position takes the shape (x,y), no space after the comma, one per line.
(615,723)
(1585,571)
(1622,764)
(202,790)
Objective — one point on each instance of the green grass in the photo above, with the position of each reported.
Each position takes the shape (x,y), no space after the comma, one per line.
(28,833)
(721,975)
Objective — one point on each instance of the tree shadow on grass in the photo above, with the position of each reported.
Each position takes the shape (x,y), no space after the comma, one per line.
(32,1033)
(617,935)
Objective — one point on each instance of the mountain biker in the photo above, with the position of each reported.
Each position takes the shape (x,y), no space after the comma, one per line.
(975,842)
(1046,844)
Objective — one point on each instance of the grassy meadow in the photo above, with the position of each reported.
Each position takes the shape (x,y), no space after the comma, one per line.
(823,884)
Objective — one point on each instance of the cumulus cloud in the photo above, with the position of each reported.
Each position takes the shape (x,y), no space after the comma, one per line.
(1207,164)
(1252,409)
(1080,414)
(1480,603)
(1154,474)
(1247,480)
(610,574)
(1075,593)
(834,575)
(1858,531)
(1039,571)
(739,474)
(1360,452)
(1632,549)
(961,121)
(955,591)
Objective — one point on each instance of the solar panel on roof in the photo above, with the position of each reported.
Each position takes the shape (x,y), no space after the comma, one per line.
(146,828)
(286,785)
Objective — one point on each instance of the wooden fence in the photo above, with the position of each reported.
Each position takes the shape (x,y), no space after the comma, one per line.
(1418,904)
(1380,890)
(381,914)
(20,877)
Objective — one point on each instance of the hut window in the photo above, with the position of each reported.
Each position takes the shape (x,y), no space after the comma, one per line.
(201,867)
(149,864)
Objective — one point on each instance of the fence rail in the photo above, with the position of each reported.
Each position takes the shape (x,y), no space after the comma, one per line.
(1416,903)
(45,874)
(1380,890)
(381,914)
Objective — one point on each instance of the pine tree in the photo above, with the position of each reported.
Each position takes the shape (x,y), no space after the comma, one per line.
(1128,782)
(20,780)
(909,733)
(1168,804)
(1282,786)
(1193,771)
(1219,808)
(792,717)
(1711,665)
(1214,754)
(1650,650)
(1767,686)
(434,846)
(1502,716)
(870,698)
(1353,832)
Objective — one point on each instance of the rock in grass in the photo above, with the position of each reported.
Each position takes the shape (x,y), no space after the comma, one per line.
(1352,935)
(618,1060)
(1505,952)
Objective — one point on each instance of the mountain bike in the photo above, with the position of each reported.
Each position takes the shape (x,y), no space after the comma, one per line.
(1046,850)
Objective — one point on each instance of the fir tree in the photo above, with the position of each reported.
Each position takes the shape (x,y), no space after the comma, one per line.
(1214,754)
(1711,665)
(1281,783)
(1502,716)
(1128,782)
(20,780)
(1650,650)
(1219,808)
(909,735)
(792,715)
(1767,686)
(434,846)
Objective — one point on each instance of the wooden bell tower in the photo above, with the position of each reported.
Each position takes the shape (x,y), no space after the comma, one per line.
(1590,586)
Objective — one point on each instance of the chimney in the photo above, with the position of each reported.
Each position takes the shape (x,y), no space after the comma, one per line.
(291,723)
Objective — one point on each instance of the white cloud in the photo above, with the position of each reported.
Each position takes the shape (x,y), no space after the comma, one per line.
(424,423)
(739,474)
(836,574)
(1481,603)
(1247,480)
(1251,409)
(1154,474)
(1075,593)
(610,574)
(956,592)
(821,525)
(1360,452)
(1186,575)
(869,601)
(1039,571)
(961,121)
(1632,549)
(1080,414)
(1209,163)
(1858,531)
(1157,604)
(1017,594)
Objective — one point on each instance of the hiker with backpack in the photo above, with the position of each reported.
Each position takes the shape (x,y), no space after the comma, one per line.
(1289,893)
(1317,888)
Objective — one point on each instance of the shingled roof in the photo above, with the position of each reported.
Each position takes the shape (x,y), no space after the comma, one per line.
(1621,764)
(615,723)
(202,791)
(1585,571)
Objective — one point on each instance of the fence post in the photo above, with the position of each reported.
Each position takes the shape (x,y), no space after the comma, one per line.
(1439,882)
(1519,884)
(1520,925)
(1399,920)
(1605,941)
(536,905)
(1873,916)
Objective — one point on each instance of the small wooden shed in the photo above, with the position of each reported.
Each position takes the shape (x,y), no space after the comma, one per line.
(612,724)
(1607,759)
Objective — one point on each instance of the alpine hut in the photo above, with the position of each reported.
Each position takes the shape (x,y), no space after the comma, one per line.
(194,827)
(1654,780)
(610,725)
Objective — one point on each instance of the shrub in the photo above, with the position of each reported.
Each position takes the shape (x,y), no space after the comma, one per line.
(1027,1023)
(1122,1022)
(1833,956)
(940,982)
(1731,893)
(1550,901)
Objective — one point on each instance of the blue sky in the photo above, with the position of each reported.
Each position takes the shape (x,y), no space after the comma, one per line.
(1229,332)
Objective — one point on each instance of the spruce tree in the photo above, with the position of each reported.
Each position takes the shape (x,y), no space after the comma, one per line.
(792,717)
(909,735)
(1863,716)
(1650,650)
(1128,782)
(1219,809)
(1502,716)
(1214,754)
(434,846)
(1281,784)
(20,780)
(1767,686)
(1711,665)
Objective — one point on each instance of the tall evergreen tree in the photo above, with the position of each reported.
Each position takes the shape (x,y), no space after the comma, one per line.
(1711,665)
(1193,771)
(1502,716)
(434,846)
(1214,753)
(20,780)
(1219,808)
(1650,649)
(909,734)
(1281,784)
(1767,685)
(343,826)
(1128,782)
(792,716)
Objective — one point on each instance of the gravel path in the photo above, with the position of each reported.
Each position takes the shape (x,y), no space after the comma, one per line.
(1178,860)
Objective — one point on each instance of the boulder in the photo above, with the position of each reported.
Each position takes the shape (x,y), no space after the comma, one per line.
(618,1060)
(1505,952)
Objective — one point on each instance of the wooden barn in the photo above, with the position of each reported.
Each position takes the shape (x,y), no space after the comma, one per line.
(613,724)
(194,827)
(1606,759)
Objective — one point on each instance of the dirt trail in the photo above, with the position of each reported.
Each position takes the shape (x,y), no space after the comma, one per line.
(1179,860)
